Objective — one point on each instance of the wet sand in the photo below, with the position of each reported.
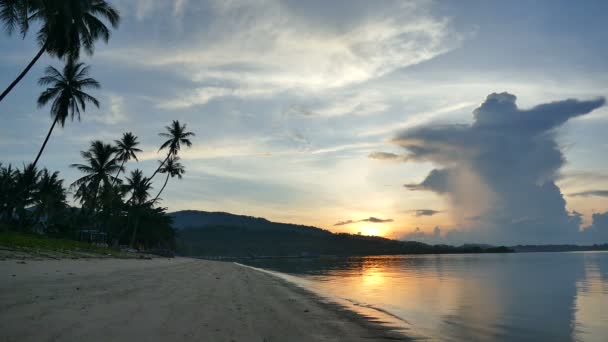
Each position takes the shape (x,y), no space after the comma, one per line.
(177,299)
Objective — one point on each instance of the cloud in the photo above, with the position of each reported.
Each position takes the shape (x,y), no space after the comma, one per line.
(418,235)
(386,156)
(252,48)
(112,112)
(425,212)
(370,220)
(343,223)
(599,193)
(598,231)
(502,168)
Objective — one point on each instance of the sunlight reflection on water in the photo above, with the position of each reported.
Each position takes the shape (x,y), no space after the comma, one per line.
(495,297)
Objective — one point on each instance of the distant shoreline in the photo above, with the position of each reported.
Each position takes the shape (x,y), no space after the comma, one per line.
(166,299)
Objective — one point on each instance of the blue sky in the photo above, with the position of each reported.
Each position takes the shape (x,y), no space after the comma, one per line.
(290,98)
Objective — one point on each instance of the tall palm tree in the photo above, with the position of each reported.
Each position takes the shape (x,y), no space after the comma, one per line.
(100,165)
(173,168)
(66,26)
(139,188)
(67,92)
(177,135)
(125,150)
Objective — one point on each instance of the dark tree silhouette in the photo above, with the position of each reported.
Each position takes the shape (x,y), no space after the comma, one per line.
(100,165)
(139,188)
(126,149)
(66,26)
(67,92)
(173,168)
(177,135)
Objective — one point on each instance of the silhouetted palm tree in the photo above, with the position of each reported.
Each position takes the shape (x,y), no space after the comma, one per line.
(51,197)
(177,135)
(15,15)
(66,91)
(173,168)
(139,188)
(66,26)
(25,192)
(100,165)
(125,150)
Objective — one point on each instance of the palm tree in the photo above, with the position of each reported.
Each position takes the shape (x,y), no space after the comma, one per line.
(100,164)
(25,192)
(8,191)
(51,198)
(66,91)
(66,26)
(177,135)
(125,150)
(139,188)
(173,168)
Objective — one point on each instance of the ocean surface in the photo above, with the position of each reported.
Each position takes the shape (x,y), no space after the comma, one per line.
(473,297)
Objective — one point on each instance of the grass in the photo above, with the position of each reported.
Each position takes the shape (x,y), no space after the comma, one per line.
(37,243)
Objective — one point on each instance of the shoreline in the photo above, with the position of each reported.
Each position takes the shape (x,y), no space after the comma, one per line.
(168,299)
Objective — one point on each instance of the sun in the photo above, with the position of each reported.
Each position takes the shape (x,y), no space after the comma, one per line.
(370,230)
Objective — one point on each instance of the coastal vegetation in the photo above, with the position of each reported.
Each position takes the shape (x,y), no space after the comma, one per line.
(107,209)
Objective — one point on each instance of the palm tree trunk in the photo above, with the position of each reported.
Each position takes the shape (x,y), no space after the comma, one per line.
(46,140)
(163,188)
(132,244)
(158,169)
(23,73)
(117,173)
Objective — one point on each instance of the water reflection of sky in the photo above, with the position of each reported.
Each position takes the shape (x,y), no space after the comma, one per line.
(504,297)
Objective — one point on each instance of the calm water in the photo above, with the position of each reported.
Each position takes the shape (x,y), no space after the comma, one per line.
(491,297)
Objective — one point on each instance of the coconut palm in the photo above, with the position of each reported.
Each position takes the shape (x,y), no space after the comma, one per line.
(8,191)
(173,168)
(67,92)
(51,197)
(125,150)
(177,135)
(15,15)
(66,26)
(139,188)
(25,191)
(100,165)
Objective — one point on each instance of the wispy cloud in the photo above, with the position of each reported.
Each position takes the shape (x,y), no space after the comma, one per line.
(257,47)
(590,193)
(387,156)
(424,212)
(370,220)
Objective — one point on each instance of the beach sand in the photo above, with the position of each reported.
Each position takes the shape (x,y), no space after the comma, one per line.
(176,299)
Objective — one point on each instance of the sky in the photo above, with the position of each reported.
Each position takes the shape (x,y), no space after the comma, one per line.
(438,121)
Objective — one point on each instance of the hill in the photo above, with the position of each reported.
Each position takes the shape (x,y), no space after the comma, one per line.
(203,233)
(199,219)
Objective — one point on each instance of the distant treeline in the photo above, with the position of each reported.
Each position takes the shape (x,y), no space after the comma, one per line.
(559,248)
(221,240)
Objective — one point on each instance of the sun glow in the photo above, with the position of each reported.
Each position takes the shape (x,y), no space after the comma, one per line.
(370,230)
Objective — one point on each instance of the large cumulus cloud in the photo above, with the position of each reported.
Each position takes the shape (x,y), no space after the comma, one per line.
(501,169)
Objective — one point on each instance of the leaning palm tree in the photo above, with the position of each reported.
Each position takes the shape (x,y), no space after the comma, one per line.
(139,187)
(66,26)
(177,135)
(100,165)
(173,168)
(126,148)
(67,92)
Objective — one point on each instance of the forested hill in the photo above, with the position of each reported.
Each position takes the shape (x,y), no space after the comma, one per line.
(200,219)
(222,234)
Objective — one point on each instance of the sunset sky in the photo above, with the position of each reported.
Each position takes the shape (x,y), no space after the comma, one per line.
(377,117)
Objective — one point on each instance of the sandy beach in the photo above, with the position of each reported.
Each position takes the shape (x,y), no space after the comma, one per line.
(165,300)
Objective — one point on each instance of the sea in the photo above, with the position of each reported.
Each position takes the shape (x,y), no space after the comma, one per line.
(465,297)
